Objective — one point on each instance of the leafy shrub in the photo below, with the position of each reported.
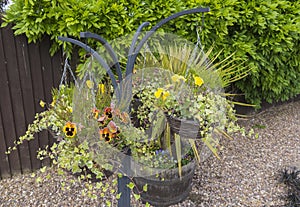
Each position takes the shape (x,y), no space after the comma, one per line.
(110,18)
(263,34)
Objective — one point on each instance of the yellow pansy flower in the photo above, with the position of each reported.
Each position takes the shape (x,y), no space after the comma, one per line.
(70,129)
(198,81)
(160,92)
(95,113)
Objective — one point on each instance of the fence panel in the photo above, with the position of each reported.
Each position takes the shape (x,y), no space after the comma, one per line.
(27,75)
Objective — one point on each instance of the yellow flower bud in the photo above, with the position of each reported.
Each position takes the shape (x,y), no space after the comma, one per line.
(90,84)
(165,95)
(101,87)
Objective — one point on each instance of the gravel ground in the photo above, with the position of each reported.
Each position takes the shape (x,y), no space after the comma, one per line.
(246,175)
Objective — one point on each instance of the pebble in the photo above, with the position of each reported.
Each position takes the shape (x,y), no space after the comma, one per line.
(247,174)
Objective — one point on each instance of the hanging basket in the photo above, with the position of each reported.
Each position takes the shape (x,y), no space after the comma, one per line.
(168,187)
(185,128)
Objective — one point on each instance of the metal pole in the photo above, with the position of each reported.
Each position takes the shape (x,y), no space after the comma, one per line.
(124,200)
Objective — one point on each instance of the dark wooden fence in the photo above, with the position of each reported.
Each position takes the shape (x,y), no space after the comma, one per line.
(27,74)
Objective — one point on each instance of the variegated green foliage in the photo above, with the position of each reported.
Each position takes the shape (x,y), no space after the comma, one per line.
(262,34)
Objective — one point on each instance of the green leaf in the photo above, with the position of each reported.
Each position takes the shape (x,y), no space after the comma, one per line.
(108,203)
(89,164)
(130,185)
(145,187)
(136,196)
(76,149)
(63,184)
(43,169)
(60,171)
(38,180)
(178,153)
(195,149)
(207,142)
(54,146)
(4,24)
(118,196)
(167,137)
(48,176)
(259,126)
(159,124)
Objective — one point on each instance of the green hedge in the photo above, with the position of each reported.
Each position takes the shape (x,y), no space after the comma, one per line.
(264,33)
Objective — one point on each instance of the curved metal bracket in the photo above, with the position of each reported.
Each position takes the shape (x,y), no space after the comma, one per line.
(108,47)
(133,51)
(98,58)
(136,35)
(132,46)
(130,64)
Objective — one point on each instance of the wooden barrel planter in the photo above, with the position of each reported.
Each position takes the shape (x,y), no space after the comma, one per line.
(167,188)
